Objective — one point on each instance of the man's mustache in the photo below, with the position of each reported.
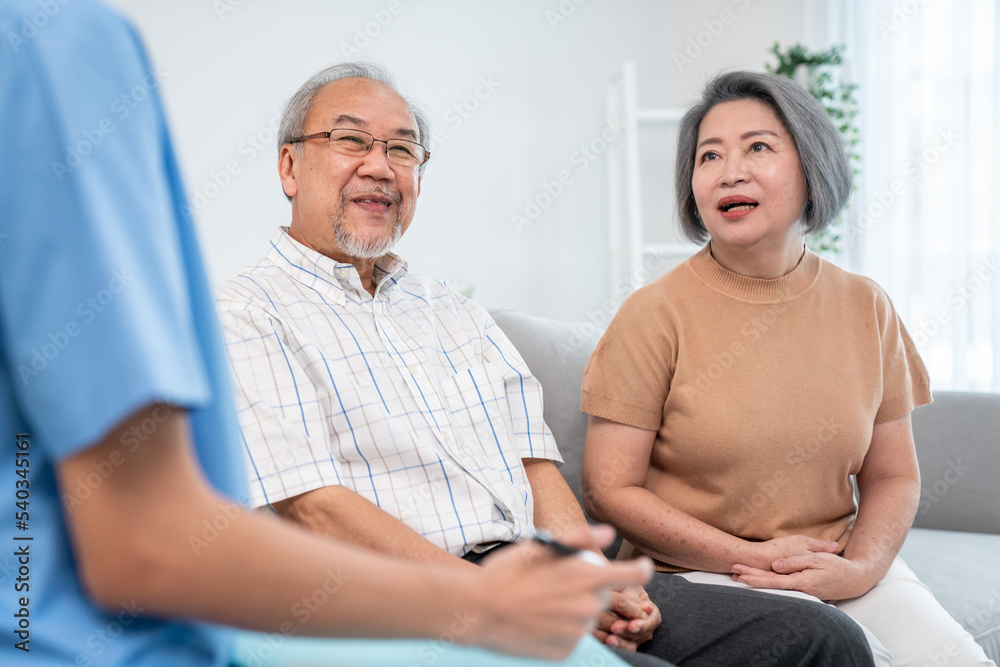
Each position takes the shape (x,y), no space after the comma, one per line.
(375,189)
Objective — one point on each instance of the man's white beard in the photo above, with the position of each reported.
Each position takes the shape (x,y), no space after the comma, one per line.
(369,248)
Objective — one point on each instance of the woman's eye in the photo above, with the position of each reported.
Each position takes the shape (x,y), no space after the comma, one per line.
(708,156)
(759,146)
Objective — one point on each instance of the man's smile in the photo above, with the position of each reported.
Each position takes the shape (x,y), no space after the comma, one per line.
(377,201)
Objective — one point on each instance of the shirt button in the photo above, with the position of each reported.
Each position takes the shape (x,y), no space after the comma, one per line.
(446,435)
(342,272)
(415,370)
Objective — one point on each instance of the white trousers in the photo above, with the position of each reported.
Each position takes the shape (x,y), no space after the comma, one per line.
(904,623)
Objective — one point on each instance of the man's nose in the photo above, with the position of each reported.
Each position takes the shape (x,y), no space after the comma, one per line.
(375,162)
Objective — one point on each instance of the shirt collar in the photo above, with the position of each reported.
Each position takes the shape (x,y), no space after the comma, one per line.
(326,275)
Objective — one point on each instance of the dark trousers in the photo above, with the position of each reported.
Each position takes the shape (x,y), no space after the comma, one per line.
(715,626)
(720,626)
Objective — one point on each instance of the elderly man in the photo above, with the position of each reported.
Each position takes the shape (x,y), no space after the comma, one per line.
(387,410)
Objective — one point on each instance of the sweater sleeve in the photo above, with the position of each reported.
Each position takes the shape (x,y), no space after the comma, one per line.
(905,383)
(628,377)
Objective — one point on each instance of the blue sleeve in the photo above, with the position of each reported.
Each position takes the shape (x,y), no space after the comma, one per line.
(96,262)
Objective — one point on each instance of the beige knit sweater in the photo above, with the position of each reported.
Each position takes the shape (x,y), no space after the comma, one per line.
(762,393)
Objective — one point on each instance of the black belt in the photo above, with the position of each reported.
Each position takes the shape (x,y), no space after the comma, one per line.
(476,557)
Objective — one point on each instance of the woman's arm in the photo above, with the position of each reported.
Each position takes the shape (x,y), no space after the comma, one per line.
(889,492)
(615,462)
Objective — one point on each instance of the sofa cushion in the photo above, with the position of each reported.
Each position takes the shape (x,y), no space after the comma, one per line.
(958,446)
(960,569)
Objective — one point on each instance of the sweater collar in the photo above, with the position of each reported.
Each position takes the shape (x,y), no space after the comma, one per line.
(759,290)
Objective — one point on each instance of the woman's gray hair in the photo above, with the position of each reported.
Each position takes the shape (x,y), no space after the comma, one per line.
(821,149)
(293,120)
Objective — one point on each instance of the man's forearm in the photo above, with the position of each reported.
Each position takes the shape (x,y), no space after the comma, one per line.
(555,507)
(340,513)
(140,539)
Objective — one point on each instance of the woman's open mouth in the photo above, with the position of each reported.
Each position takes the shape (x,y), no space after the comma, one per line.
(736,207)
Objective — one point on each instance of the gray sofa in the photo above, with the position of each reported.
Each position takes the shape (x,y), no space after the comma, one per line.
(954,546)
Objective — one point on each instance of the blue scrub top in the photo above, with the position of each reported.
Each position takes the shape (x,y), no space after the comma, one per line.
(104,309)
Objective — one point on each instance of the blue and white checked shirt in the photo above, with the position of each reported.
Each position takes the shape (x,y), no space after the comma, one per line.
(414,399)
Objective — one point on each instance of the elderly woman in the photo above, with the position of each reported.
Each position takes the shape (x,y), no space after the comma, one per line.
(733,400)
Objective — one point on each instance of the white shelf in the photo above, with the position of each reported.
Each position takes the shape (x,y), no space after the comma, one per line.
(670,249)
(663,116)
(625,221)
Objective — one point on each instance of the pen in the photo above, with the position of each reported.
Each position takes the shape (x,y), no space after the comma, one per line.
(546,539)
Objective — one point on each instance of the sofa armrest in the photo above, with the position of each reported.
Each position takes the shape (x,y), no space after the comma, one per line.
(958,448)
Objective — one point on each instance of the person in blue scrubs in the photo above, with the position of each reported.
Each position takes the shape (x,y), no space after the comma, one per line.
(121,476)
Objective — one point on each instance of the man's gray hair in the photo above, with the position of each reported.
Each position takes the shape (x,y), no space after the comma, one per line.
(293,120)
(821,149)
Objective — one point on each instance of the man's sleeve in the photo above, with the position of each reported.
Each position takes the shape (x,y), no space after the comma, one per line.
(281,415)
(532,437)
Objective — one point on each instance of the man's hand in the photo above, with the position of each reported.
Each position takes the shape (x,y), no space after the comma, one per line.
(540,603)
(629,621)
(822,575)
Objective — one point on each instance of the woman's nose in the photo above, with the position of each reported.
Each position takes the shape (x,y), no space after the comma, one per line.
(735,171)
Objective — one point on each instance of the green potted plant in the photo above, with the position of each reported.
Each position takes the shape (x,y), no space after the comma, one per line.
(818,72)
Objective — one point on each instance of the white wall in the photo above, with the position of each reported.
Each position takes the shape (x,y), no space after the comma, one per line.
(228,65)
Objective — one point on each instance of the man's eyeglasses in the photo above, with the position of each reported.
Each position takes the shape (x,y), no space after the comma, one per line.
(358,143)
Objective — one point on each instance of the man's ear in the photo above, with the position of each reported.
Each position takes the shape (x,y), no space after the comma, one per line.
(418,185)
(286,169)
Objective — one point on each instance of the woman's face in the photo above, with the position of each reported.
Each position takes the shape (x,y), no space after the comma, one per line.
(748,181)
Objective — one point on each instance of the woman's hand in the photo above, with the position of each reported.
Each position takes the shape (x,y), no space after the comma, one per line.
(826,576)
(889,490)
(765,554)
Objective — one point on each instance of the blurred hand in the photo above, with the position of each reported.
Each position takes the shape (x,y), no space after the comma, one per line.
(536,603)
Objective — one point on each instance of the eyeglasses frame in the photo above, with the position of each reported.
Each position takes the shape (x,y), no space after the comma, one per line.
(326,135)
